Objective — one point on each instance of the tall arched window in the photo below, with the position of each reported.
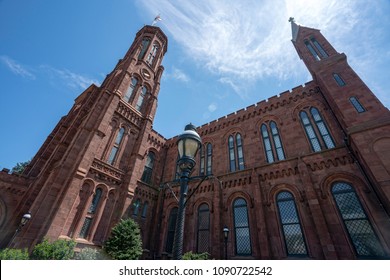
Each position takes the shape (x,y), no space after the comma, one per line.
(291,227)
(90,215)
(202,159)
(358,226)
(203,228)
(152,54)
(267,144)
(145,210)
(340,82)
(171,230)
(95,200)
(319,47)
(148,169)
(358,106)
(136,206)
(141,98)
(236,154)
(209,154)
(116,145)
(321,126)
(132,87)
(274,148)
(144,46)
(315,144)
(241,227)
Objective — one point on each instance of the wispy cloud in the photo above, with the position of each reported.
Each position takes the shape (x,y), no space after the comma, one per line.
(177,74)
(246,41)
(17,68)
(69,78)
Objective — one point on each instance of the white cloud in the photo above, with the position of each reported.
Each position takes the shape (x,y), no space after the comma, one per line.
(17,68)
(246,41)
(179,75)
(212,107)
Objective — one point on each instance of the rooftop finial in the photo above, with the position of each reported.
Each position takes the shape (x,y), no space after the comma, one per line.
(156,19)
(291,19)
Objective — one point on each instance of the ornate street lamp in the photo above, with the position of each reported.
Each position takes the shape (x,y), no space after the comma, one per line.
(26,217)
(225,235)
(188,145)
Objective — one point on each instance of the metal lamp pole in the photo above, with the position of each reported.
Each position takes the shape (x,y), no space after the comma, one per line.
(226,235)
(188,145)
(26,217)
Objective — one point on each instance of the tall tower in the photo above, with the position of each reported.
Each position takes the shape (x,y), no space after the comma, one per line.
(363,119)
(84,176)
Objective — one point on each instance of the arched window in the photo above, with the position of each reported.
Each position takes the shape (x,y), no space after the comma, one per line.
(321,126)
(115,148)
(312,51)
(148,169)
(144,46)
(315,144)
(171,230)
(236,154)
(358,107)
(203,228)
(358,226)
(152,54)
(291,227)
(141,98)
(338,79)
(136,207)
(209,154)
(319,48)
(202,159)
(276,143)
(145,210)
(241,227)
(95,200)
(132,87)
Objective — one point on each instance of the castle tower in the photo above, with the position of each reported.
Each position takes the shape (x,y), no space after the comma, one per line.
(363,119)
(85,175)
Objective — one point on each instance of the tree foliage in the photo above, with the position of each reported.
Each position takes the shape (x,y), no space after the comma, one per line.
(196,256)
(125,242)
(20,166)
(57,250)
(14,254)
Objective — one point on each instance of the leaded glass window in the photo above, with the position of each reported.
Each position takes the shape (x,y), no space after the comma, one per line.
(141,98)
(312,50)
(321,126)
(232,157)
(209,154)
(315,144)
(171,230)
(116,145)
(148,169)
(136,207)
(267,144)
(356,222)
(277,141)
(203,228)
(95,200)
(338,80)
(241,227)
(144,46)
(291,227)
(319,48)
(355,102)
(130,91)
(145,209)
(85,228)
(240,154)
(152,54)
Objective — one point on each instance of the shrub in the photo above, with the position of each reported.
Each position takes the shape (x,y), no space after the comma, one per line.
(57,250)
(13,254)
(196,256)
(87,254)
(125,242)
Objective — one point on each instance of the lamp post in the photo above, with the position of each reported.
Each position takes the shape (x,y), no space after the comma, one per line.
(26,217)
(225,235)
(188,145)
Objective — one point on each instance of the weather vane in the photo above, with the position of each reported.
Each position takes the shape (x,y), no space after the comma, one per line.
(156,19)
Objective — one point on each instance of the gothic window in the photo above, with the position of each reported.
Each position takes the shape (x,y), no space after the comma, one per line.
(145,210)
(312,50)
(291,226)
(276,142)
(144,46)
(131,89)
(116,145)
(202,158)
(232,156)
(136,206)
(171,230)
(240,154)
(90,215)
(236,154)
(241,227)
(203,228)
(338,79)
(141,98)
(85,228)
(95,201)
(209,154)
(148,169)
(152,54)
(355,102)
(321,126)
(356,222)
(315,144)
(319,48)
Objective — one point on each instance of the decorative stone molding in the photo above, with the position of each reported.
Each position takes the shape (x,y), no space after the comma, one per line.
(106,172)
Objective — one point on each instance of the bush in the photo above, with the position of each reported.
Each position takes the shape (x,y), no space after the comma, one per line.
(13,254)
(87,254)
(196,256)
(125,242)
(58,250)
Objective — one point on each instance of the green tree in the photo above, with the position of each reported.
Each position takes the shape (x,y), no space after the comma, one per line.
(125,242)
(13,254)
(196,256)
(20,166)
(57,250)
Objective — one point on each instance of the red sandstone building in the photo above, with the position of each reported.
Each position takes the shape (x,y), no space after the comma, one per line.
(305,174)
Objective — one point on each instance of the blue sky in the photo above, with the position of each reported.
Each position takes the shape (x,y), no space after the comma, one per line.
(222,56)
